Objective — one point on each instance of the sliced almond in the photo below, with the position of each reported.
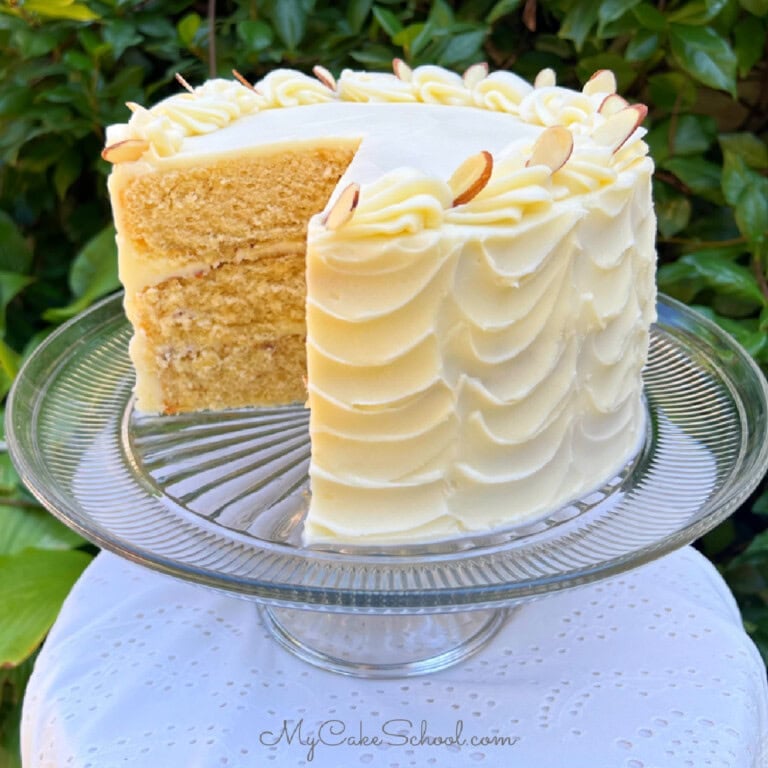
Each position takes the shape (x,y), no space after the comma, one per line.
(325,77)
(469,179)
(402,70)
(184,84)
(603,81)
(240,79)
(552,148)
(342,210)
(612,104)
(620,126)
(475,73)
(545,78)
(125,151)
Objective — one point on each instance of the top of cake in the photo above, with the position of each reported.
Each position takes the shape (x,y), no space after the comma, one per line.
(418,134)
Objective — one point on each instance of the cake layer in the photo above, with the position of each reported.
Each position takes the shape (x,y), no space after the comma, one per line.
(223,337)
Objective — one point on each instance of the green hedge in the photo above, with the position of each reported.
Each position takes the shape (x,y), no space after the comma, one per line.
(69,66)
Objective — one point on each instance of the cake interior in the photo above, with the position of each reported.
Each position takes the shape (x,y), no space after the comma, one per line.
(223,325)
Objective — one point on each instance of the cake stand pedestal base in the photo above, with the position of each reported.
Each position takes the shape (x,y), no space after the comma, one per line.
(382,645)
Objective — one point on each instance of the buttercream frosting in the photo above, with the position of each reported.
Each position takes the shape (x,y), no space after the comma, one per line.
(469,366)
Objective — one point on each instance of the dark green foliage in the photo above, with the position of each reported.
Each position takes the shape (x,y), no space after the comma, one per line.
(67,68)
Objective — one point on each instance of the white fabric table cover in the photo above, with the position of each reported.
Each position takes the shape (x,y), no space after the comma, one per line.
(648,670)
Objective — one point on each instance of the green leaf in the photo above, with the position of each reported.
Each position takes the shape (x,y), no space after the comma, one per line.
(752,211)
(650,17)
(357,13)
(747,146)
(760,507)
(11,284)
(121,35)
(33,528)
(610,10)
(681,135)
(290,20)
(749,43)
(697,12)
(187,28)
(758,7)
(578,22)
(746,190)
(642,46)
(673,212)
(441,14)
(736,176)
(66,172)
(257,35)
(672,91)
(35,42)
(78,60)
(704,269)
(500,9)
(9,478)
(9,367)
(759,544)
(463,47)
(54,10)
(33,585)
(699,175)
(15,253)
(413,38)
(705,56)
(388,21)
(754,341)
(93,275)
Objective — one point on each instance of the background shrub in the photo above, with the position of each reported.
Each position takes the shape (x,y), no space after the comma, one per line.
(67,68)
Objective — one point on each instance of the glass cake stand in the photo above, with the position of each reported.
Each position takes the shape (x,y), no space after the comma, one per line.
(218,498)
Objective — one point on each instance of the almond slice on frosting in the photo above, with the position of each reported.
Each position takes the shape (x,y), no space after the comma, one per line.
(324,76)
(545,78)
(243,81)
(475,73)
(619,127)
(469,179)
(183,83)
(552,148)
(402,70)
(342,210)
(603,81)
(125,151)
(612,104)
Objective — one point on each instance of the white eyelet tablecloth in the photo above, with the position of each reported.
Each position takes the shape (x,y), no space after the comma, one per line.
(648,670)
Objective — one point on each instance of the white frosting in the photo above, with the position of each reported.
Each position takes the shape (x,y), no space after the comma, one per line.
(468,367)
(484,365)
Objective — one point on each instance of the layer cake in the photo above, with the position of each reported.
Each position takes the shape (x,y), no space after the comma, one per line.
(457,274)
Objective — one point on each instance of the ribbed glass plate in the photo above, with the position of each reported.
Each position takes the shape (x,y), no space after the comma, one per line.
(219,499)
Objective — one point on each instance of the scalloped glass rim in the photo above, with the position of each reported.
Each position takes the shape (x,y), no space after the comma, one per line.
(707,449)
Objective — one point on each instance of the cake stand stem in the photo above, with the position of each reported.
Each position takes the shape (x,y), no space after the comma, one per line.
(382,645)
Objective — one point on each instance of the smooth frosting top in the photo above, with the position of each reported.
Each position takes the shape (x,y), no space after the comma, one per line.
(219,102)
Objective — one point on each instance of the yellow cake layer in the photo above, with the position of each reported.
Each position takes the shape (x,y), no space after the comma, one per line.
(219,310)
(254,200)
(222,336)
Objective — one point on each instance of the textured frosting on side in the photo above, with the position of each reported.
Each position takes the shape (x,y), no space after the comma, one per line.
(469,366)
(503,341)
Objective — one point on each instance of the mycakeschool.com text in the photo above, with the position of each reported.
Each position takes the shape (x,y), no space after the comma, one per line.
(392,733)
